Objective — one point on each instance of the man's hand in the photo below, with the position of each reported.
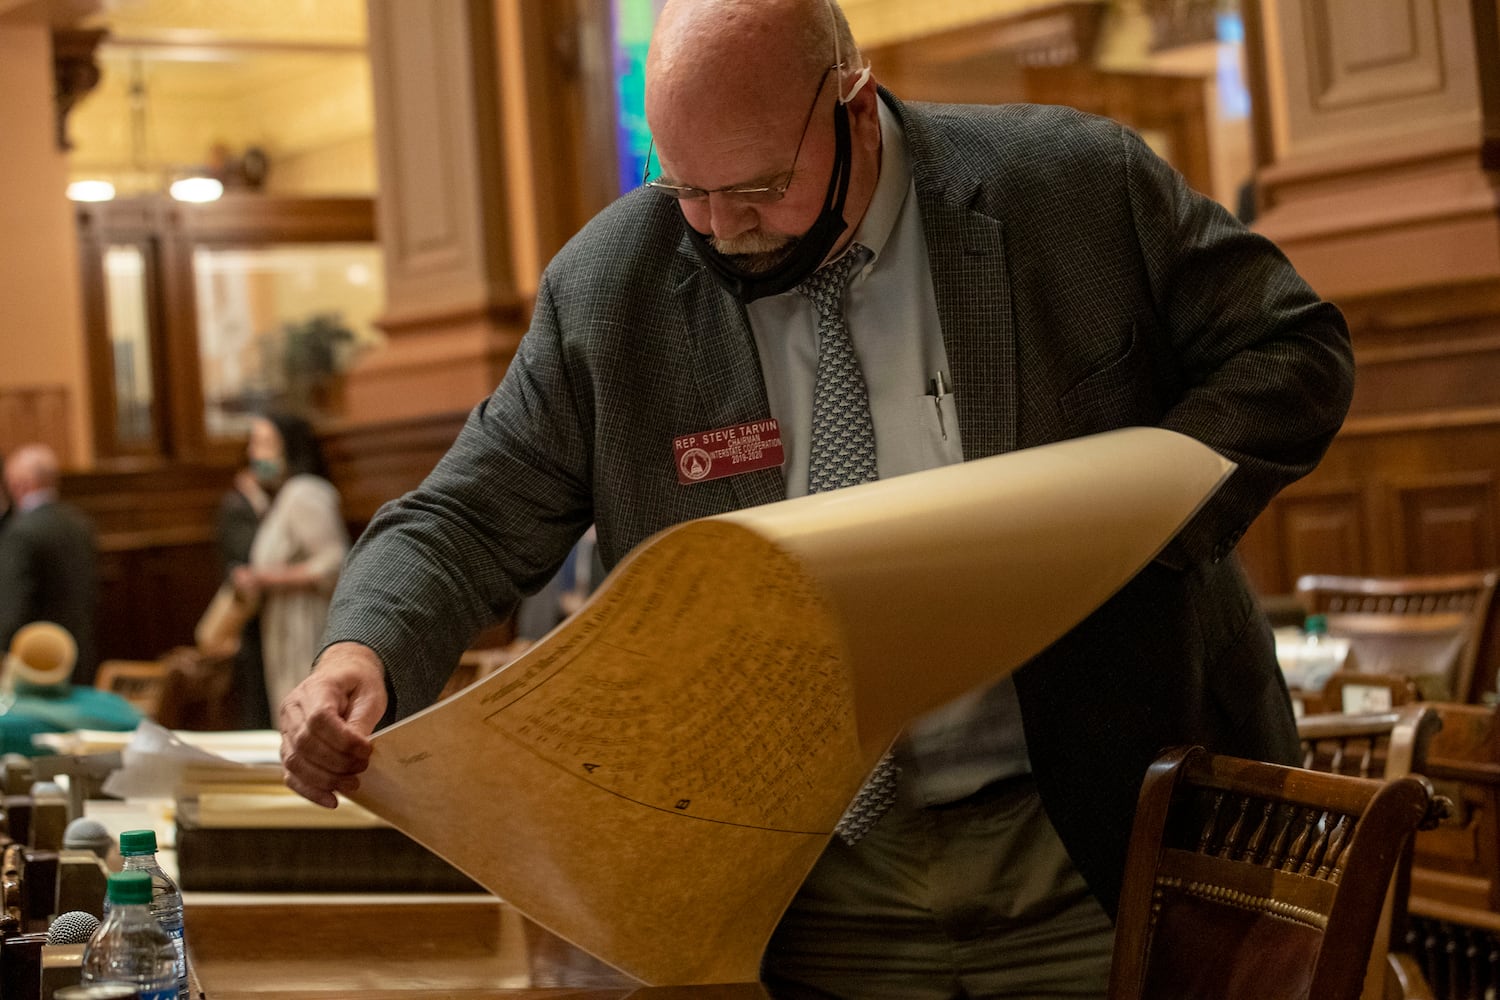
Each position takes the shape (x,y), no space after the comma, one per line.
(327,720)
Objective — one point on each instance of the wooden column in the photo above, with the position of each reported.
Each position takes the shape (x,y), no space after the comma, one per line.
(453,315)
(1371,126)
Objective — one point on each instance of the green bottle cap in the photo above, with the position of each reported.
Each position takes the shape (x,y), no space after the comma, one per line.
(1315,624)
(129,887)
(138,842)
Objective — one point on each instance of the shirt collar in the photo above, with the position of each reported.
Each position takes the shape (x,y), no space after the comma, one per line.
(35,499)
(890,190)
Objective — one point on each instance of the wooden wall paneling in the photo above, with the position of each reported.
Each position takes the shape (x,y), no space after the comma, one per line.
(151,597)
(36,415)
(373,463)
(156,524)
(1322,531)
(1262,553)
(453,314)
(1455,865)
(158,557)
(1444,524)
(1439,373)
(569,87)
(439,153)
(1348,66)
(1373,51)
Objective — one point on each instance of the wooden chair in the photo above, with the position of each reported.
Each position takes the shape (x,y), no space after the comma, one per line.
(1454,926)
(1385,745)
(1429,627)
(1250,880)
(1358,693)
(139,682)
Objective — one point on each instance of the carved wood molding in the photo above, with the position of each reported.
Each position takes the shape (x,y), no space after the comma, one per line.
(1054,35)
(1423,422)
(74,73)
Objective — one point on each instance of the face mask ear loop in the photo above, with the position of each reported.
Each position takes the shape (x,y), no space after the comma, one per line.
(839,189)
(859,84)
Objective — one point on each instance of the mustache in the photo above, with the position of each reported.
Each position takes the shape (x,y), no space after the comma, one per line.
(755,251)
(753,242)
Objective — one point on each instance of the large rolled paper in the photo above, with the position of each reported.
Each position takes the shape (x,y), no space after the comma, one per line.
(654,779)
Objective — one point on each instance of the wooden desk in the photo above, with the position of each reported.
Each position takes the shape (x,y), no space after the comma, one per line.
(355,947)
(368,946)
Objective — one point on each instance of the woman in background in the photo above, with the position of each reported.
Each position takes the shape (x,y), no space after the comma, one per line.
(298,549)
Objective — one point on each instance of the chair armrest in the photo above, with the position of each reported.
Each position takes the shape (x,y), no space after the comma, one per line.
(1404,980)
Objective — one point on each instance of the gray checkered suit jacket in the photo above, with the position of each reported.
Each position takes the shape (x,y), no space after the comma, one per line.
(1081,287)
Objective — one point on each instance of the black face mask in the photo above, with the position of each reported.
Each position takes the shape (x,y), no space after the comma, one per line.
(810,248)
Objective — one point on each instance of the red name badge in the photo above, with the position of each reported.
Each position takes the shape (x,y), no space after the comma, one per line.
(728,451)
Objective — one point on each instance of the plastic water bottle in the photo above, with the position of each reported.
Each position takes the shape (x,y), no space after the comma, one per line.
(1318,658)
(130,948)
(138,853)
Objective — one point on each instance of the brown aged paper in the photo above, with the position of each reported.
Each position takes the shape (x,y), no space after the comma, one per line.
(654,779)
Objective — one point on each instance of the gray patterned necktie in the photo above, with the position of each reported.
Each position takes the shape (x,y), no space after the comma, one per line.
(843,454)
(843,435)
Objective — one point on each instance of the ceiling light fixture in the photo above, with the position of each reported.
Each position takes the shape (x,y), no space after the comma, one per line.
(197,189)
(91,191)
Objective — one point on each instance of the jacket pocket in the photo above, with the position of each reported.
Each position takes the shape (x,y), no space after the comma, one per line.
(1120,393)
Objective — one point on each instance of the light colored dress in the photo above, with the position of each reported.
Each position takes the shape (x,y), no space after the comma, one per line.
(304,527)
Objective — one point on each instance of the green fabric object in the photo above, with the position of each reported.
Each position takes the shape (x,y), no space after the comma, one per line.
(59,710)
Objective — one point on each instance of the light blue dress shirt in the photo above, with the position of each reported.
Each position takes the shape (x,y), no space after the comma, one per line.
(892,315)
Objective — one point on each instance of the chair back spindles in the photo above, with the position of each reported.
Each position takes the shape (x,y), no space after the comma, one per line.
(1431,628)
(1377,745)
(1250,880)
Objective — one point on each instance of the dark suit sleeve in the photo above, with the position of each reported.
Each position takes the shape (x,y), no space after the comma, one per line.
(1266,364)
(16,587)
(491,523)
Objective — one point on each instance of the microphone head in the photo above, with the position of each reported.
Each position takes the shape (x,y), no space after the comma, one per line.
(84,834)
(73,927)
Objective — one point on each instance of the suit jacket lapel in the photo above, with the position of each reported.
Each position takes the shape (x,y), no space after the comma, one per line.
(726,366)
(966,251)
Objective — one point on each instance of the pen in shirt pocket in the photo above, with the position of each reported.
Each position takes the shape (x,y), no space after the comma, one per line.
(938,387)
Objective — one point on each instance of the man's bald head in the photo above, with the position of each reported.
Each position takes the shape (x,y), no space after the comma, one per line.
(30,469)
(709,56)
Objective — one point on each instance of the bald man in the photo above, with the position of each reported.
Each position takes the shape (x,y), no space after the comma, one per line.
(48,558)
(1011,276)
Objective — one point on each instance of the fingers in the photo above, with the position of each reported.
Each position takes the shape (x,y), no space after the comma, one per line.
(325,726)
(318,756)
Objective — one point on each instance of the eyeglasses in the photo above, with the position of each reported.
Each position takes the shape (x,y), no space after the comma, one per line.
(753,194)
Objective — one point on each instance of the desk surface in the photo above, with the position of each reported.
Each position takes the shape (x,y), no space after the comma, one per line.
(376,946)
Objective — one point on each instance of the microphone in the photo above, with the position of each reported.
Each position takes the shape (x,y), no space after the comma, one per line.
(73,927)
(86,834)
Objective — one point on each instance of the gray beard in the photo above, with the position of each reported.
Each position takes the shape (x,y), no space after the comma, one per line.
(755,261)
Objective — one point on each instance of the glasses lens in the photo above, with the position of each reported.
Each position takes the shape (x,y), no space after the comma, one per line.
(756,196)
(675,191)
